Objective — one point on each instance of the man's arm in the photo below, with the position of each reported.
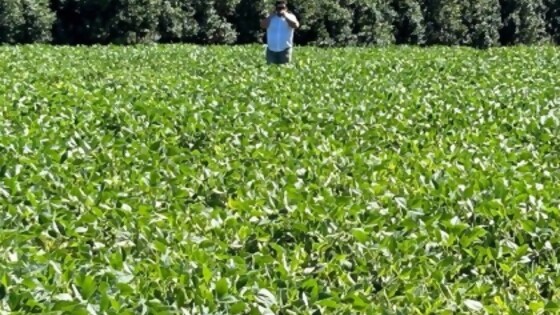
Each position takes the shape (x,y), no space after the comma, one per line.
(292,20)
(266,21)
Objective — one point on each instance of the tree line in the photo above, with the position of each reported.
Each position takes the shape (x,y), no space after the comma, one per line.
(475,23)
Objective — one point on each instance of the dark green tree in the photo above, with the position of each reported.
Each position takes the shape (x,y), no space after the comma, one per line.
(106,21)
(212,17)
(177,22)
(25,21)
(477,23)
(11,21)
(312,19)
(553,19)
(39,21)
(484,23)
(447,23)
(134,21)
(336,20)
(410,25)
(247,20)
(83,21)
(374,22)
(523,22)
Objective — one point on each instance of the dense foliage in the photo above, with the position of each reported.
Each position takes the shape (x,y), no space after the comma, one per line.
(152,179)
(477,23)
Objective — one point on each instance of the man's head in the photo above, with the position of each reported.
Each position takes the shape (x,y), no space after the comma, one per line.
(281,6)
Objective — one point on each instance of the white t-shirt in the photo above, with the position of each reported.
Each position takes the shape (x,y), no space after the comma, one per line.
(279,35)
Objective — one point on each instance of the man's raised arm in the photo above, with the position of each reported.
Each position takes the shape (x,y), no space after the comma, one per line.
(266,21)
(292,20)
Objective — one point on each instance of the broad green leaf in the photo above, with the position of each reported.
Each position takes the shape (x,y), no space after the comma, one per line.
(360,235)
(222,287)
(552,306)
(88,287)
(328,303)
(206,273)
(237,308)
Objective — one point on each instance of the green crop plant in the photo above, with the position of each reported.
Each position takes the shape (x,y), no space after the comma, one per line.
(198,180)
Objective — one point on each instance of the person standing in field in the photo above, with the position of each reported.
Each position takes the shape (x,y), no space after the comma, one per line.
(280,26)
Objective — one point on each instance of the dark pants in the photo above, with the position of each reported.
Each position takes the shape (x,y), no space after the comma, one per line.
(280,57)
